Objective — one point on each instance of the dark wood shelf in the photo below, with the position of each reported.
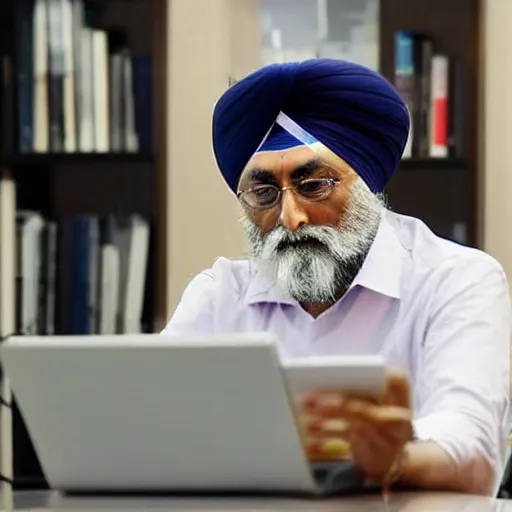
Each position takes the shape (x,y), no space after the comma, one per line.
(411,164)
(20,160)
(68,184)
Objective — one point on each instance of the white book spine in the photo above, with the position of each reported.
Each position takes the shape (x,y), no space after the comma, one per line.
(101,90)
(86,96)
(41,114)
(70,142)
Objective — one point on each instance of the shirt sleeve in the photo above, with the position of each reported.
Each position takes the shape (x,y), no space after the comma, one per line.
(194,313)
(462,395)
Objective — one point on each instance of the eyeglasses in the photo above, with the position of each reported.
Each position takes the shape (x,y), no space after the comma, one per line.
(267,196)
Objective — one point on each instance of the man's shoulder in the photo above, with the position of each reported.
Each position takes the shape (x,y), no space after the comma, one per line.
(231,276)
(210,297)
(436,254)
(238,270)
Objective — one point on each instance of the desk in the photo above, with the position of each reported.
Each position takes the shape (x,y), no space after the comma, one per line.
(399,502)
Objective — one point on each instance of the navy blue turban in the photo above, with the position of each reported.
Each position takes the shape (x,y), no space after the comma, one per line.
(352,110)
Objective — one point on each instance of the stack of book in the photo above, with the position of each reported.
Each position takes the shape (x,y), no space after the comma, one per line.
(80,88)
(83,275)
(433,86)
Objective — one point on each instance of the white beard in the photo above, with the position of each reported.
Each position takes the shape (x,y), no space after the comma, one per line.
(316,264)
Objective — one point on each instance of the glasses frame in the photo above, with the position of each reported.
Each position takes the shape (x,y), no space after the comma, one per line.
(332,182)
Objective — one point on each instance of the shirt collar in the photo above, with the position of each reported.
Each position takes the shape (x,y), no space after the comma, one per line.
(381,271)
(382,268)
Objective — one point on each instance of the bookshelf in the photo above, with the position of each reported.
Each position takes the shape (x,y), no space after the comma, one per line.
(441,191)
(80,160)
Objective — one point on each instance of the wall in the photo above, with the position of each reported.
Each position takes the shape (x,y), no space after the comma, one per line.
(496,133)
(207,42)
(7,323)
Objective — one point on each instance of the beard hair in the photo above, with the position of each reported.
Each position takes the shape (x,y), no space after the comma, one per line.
(317,264)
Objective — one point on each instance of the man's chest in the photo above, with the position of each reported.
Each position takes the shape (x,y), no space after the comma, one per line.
(362,323)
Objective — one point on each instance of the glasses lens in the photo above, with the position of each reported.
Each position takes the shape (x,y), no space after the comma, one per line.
(263,196)
(315,190)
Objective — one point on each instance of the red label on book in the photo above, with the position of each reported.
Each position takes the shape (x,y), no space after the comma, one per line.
(440,116)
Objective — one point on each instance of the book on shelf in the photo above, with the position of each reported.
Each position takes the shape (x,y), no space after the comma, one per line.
(433,86)
(79,87)
(81,275)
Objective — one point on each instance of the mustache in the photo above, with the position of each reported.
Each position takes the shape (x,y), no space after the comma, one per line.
(308,241)
(281,238)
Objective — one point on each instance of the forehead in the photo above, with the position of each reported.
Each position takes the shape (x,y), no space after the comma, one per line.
(282,164)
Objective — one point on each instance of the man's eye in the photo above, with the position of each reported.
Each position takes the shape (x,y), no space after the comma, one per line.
(264,195)
(313,188)
(311,185)
(263,192)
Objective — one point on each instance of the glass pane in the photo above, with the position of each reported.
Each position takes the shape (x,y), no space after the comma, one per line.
(303,29)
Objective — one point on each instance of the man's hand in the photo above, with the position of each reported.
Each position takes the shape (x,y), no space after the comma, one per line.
(337,425)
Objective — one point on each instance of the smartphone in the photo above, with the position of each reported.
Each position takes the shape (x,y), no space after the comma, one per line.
(359,375)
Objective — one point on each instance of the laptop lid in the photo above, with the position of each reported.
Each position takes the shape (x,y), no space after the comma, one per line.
(152,413)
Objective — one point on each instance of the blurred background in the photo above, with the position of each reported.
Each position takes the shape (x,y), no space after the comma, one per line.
(110,200)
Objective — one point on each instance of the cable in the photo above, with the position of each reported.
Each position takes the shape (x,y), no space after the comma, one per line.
(6,480)
(3,478)
(5,403)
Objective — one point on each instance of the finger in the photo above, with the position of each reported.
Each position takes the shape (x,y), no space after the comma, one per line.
(381,415)
(391,422)
(394,426)
(393,435)
(325,404)
(325,429)
(327,449)
(397,389)
(336,406)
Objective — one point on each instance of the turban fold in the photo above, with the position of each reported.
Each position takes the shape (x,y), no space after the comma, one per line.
(352,110)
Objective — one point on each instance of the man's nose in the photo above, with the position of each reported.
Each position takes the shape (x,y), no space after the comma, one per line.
(293,216)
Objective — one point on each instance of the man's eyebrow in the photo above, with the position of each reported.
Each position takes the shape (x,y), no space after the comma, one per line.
(301,172)
(261,175)
(306,169)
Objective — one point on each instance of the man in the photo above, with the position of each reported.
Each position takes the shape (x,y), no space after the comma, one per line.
(308,148)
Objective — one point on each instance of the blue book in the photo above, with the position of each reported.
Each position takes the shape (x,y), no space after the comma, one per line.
(79,290)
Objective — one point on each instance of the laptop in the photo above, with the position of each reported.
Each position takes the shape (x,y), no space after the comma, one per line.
(149,413)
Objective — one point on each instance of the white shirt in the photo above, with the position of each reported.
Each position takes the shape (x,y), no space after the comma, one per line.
(435,309)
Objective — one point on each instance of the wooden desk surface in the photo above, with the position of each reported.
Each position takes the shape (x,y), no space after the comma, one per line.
(403,502)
